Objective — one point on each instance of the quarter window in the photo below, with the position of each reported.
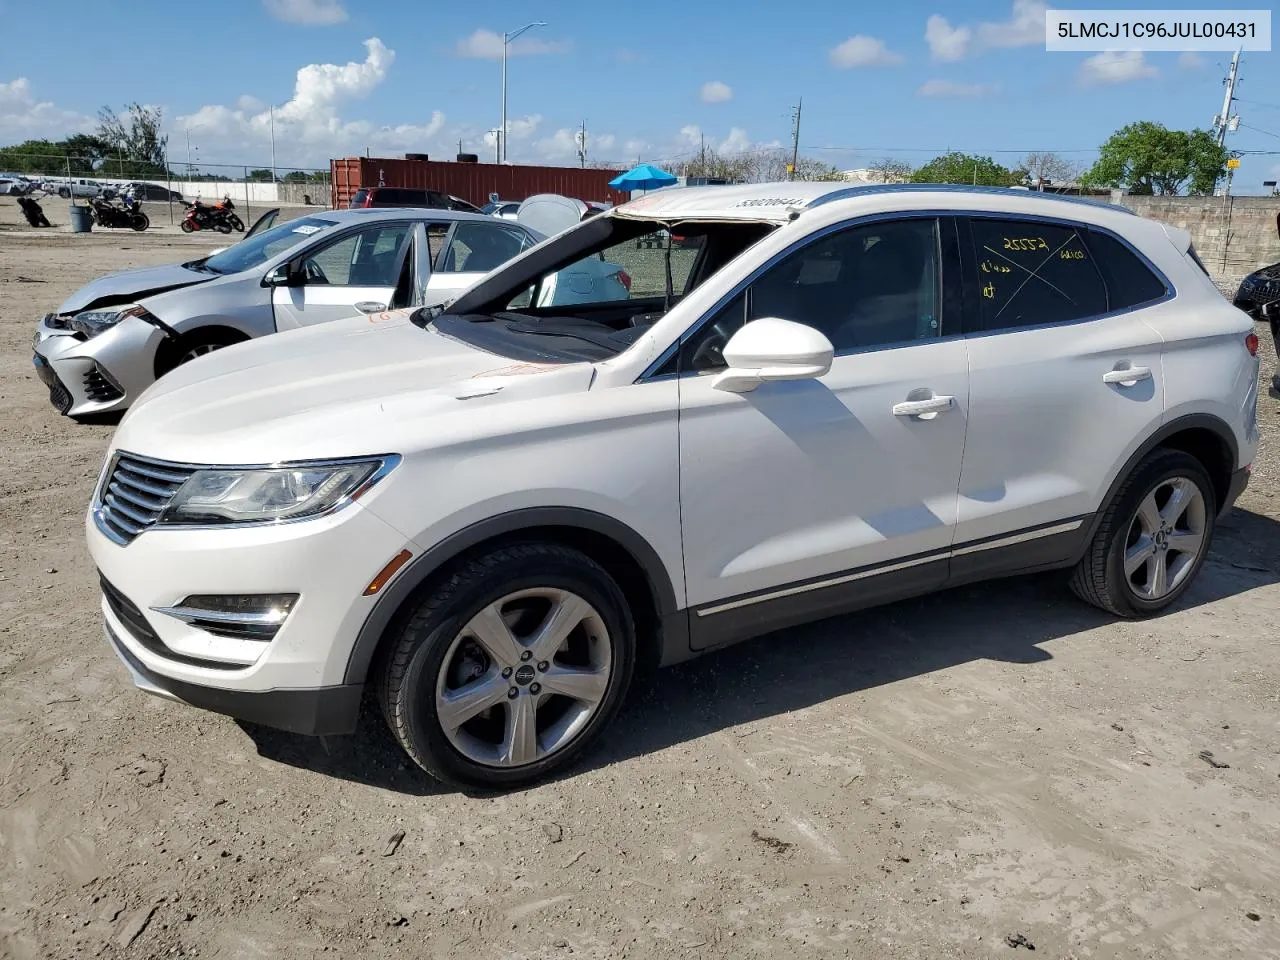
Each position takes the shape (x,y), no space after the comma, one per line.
(1130,282)
(1032,273)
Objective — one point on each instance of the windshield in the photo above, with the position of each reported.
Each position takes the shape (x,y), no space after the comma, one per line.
(258,249)
(592,291)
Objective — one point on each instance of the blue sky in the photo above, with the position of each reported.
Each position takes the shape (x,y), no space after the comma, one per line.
(903,80)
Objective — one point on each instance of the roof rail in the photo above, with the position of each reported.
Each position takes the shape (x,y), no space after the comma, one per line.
(846,193)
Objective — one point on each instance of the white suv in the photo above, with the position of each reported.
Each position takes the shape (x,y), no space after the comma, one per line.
(823,398)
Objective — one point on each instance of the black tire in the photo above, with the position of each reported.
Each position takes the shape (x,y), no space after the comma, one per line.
(187,226)
(1099,577)
(236,223)
(415,655)
(139,221)
(174,353)
(64,193)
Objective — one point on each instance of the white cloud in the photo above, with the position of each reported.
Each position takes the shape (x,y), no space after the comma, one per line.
(309,128)
(487,45)
(949,88)
(314,12)
(713,91)
(23,117)
(863,51)
(946,43)
(1115,66)
(1190,60)
(1024,28)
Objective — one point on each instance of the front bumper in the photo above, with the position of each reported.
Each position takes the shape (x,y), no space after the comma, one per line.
(103,374)
(320,712)
(297,679)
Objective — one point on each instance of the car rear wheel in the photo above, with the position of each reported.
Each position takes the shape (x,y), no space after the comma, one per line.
(509,667)
(1153,537)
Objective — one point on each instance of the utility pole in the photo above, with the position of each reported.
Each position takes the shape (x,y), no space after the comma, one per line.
(497,144)
(582,145)
(1224,121)
(271,112)
(795,142)
(702,162)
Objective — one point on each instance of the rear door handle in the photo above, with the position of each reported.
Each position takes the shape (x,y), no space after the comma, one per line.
(1128,376)
(920,408)
(370,306)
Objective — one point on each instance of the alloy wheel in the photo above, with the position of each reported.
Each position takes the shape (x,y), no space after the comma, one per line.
(524,677)
(1166,538)
(197,351)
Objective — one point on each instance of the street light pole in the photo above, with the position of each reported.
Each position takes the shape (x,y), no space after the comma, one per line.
(506,41)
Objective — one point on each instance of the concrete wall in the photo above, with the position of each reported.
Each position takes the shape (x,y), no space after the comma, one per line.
(1233,235)
(257,194)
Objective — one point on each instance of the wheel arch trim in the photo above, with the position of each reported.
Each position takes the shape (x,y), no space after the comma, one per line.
(1193,421)
(427,563)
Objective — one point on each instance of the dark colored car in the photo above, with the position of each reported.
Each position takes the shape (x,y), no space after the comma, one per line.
(409,197)
(1259,296)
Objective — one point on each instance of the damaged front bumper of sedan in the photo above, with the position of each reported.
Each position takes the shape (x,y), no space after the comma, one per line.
(90,373)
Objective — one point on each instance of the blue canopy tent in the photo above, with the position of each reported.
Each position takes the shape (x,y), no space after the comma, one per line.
(642,177)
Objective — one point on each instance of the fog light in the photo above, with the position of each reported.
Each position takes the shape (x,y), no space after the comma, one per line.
(238,616)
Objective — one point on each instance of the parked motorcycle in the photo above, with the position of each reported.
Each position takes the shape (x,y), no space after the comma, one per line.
(127,214)
(217,216)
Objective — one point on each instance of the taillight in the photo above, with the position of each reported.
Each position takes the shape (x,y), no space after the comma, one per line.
(1250,343)
(625,279)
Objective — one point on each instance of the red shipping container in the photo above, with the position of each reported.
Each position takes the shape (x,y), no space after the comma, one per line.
(472,182)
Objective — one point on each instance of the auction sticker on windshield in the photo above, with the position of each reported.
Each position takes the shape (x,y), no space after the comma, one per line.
(307,229)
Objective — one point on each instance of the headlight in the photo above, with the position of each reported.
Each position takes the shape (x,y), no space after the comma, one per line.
(93,322)
(213,495)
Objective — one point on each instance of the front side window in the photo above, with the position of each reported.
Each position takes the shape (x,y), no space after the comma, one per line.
(874,285)
(1033,273)
(367,258)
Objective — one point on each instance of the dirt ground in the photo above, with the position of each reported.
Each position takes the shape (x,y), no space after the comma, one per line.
(990,769)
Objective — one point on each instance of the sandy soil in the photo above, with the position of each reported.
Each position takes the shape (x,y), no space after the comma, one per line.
(962,777)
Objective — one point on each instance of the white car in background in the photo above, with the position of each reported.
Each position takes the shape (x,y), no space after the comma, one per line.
(489,514)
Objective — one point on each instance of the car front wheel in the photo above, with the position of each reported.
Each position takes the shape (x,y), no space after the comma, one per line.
(509,667)
(1152,539)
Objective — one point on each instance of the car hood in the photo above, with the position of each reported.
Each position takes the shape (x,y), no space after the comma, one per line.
(347,388)
(131,285)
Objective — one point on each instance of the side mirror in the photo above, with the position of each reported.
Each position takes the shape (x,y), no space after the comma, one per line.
(773,349)
(282,276)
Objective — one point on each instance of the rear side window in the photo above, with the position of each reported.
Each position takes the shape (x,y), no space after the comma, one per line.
(1191,252)
(1129,281)
(1030,273)
(358,200)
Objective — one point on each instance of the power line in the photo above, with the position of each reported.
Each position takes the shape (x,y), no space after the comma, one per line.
(1267,133)
(1258,103)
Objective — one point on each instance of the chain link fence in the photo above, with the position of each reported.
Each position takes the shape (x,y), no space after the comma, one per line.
(250,186)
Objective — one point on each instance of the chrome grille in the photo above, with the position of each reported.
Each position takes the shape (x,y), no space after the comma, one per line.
(135,493)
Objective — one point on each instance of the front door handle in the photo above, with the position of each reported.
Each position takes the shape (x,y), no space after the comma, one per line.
(923,408)
(370,306)
(1128,376)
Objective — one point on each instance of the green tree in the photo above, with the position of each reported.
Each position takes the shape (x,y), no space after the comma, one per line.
(1149,158)
(260,176)
(135,139)
(956,167)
